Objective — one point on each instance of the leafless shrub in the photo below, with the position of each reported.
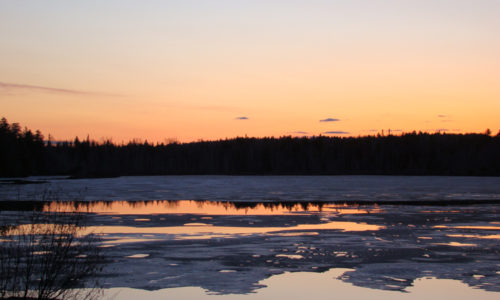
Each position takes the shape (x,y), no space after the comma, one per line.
(49,255)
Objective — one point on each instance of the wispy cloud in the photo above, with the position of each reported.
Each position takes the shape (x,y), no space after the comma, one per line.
(448,130)
(445,118)
(241,118)
(335,132)
(18,87)
(300,132)
(194,106)
(330,120)
(214,108)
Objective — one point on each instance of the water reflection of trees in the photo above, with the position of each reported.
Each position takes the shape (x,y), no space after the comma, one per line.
(90,206)
(166,205)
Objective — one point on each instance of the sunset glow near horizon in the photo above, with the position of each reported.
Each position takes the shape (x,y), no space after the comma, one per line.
(190,70)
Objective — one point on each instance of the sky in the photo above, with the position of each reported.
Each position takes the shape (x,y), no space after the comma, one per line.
(189,70)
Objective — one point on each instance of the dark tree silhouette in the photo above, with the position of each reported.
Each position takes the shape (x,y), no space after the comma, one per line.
(21,151)
(24,153)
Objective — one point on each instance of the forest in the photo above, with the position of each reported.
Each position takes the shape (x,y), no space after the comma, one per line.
(25,153)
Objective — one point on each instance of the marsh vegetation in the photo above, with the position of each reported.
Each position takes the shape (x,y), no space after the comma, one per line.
(44,255)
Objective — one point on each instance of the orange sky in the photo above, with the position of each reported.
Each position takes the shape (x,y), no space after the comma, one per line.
(189,70)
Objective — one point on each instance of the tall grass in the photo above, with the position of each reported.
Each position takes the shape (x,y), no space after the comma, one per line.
(45,255)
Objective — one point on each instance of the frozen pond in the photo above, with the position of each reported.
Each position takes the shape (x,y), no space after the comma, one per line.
(354,237)
(264,188)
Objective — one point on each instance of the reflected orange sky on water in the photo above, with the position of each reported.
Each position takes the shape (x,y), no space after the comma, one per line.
(207,231)
(200,228)
(203,207)
(476,236)
(469,227)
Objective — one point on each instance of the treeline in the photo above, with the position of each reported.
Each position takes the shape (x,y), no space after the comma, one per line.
(25,153)
(22,152)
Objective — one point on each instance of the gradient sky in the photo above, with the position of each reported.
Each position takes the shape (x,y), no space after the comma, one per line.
(190,70)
